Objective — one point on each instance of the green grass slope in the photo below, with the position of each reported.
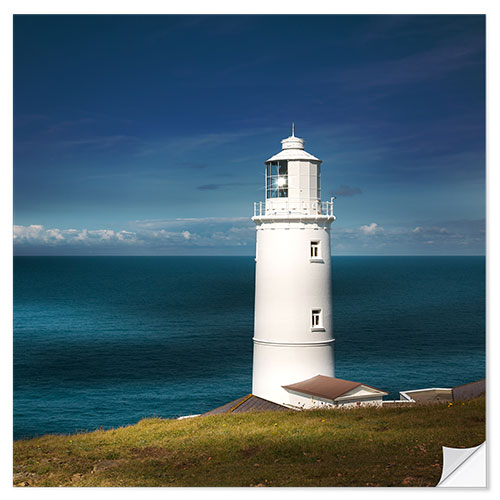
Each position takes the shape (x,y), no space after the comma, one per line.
(362,447)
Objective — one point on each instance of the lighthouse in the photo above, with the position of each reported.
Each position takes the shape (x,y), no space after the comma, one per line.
(293,365)
(293,332)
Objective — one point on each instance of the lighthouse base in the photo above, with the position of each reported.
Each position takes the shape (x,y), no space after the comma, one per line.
(279,364)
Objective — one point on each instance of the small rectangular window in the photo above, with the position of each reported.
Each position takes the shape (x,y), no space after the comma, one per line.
(316,318)
(314,249)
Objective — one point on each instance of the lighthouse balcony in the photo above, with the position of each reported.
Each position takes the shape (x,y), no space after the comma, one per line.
(290,208)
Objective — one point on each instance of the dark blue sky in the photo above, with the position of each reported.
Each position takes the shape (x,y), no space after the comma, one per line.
(147,134)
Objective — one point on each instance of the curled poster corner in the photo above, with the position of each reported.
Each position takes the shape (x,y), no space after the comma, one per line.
(464,467)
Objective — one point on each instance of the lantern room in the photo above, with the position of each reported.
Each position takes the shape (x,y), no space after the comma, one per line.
(293,179)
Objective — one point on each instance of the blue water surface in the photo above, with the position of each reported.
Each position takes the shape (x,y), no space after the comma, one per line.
(106,341)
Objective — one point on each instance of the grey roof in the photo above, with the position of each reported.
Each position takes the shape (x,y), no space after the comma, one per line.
(326,387)
(469,391)
(246,404)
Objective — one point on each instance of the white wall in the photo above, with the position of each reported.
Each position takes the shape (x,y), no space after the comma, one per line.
(297,400)
(288,286)
(303,180)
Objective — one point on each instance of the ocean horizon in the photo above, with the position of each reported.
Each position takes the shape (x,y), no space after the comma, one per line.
(105,341)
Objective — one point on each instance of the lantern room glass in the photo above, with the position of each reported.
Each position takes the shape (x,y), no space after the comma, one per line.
(277,179)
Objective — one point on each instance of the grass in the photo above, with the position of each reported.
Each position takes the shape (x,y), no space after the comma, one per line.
(399,446)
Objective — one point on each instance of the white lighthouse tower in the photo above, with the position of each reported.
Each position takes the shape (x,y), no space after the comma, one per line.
(293,338)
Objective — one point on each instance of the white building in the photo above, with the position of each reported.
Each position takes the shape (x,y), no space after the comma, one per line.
(293,337)
(293,361)
(293,365)
(328,392)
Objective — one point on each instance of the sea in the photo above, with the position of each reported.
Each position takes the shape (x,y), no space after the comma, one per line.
(102,342)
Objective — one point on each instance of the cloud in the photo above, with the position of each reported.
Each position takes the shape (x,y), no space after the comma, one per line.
(344,190)
(199,222)
(25,235)
(236,235)
(156,237)
(209,187)
(27,232)
(459,237)
(430,230)
(371,229)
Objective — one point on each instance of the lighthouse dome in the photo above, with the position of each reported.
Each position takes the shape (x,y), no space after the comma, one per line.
(292,148)
(292,142)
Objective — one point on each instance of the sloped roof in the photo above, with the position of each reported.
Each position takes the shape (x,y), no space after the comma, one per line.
(469,391)
(326,387)
(246,404)
(292,154)
(293,149)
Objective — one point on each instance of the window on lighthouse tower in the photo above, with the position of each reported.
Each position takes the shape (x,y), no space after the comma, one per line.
(314,249)
(277,179)
(316,321)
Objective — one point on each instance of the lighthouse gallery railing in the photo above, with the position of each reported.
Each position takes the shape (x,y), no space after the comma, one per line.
(287,206)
